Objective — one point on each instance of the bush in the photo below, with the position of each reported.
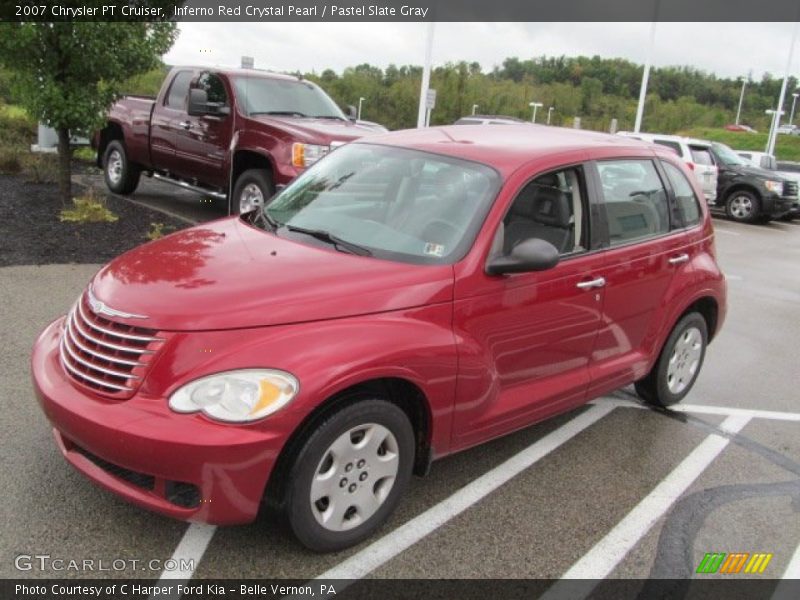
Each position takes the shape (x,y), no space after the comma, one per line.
(39,168)
(16,127)
(9,161)
(88,209)
(158,230)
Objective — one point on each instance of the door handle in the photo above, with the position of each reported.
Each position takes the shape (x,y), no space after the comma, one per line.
(680,258)
(593,283)
(185,124)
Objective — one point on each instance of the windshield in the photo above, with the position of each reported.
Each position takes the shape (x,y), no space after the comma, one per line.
(728,156)
(262,95)
(393,203)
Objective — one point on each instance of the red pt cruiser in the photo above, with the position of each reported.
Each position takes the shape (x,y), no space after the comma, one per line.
(405,298)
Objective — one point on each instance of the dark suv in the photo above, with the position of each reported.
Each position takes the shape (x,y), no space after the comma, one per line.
(749,193)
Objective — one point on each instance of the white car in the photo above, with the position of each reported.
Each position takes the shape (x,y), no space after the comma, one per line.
(695,153)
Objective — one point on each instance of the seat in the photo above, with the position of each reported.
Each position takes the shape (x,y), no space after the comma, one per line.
(542,212)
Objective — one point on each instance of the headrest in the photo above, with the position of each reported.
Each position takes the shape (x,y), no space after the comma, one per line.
(552,207)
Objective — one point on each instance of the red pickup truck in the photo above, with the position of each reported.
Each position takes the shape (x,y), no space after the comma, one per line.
(236,135)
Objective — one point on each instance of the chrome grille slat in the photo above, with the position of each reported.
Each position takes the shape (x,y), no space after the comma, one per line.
(104,342)
(97,368)
(74,339)
(76,372)
(108,357)
(126,336)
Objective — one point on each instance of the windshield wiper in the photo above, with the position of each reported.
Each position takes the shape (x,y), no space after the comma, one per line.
(329,117)
(327,236)
(284,113)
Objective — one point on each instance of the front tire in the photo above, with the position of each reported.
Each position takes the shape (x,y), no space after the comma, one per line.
(252,190)
(121,175)
(743,206)
(679,363)
(349,475)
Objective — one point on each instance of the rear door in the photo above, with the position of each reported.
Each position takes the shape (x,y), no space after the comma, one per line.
(645,246)
(201,141)
(705,171)
(167,114)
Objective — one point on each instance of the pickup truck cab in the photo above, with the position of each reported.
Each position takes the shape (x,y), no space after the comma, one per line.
(236,135)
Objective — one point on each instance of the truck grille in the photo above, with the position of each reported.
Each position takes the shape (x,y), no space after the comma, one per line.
(107,357)
(790,189)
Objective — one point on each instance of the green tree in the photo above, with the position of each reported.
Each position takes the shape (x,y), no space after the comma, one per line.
(68,74)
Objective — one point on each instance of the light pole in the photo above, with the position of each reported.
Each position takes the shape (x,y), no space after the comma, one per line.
(777,117)
(741,99)
(549,112)
(535,105)
(637,125)
(474,108)
(360,102)
(794,101)
(422,113)
(773,129)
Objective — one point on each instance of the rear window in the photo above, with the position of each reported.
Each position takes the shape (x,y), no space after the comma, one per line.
(701,156)
(687,206)
(674,146)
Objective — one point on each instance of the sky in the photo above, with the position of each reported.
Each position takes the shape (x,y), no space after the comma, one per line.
(726,49)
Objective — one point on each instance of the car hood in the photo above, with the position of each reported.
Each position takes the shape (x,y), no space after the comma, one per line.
(227,274)
(330,130)
(754,171)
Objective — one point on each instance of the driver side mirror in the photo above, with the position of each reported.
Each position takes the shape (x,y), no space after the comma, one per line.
(530,255)
(198,102)
(352,113)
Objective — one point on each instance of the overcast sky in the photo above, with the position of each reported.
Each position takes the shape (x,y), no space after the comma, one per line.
(727,49)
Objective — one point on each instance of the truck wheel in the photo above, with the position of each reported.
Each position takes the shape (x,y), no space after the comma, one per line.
(679,363)
(349,475)
(743,206)
(252,190)
(121,175)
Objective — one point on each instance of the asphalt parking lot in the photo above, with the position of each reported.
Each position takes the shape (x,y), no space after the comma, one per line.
(613,490)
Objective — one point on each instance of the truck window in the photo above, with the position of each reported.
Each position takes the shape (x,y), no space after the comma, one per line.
(672,145)
(214,88)
(179,90)
(701,156)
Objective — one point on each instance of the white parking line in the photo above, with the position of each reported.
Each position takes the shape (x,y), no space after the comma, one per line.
(376,554)
(188,554)
(601,560)
(726,411)
(788,588)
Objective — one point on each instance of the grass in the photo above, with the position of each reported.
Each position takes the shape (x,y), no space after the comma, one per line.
(85,154)
(158,230)
(87,209)
(787,147)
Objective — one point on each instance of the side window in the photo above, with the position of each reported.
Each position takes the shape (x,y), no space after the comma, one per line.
(688,208)
(179,90)
(675,146)
(701,156)
(214,87)
(550,207)
(635,200)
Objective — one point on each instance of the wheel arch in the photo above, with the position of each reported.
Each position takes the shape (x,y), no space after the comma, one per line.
(404,393)
(244,160)
(742,187)
(112,131)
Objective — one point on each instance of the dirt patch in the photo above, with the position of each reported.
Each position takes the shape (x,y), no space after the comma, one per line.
(32,234)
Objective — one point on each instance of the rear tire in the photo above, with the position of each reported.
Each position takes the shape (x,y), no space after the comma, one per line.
(252,190)
(743,206)
(678,365)
(349,475)
(121,175)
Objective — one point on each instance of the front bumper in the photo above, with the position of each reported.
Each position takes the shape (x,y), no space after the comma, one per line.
(777,206)
(182,466)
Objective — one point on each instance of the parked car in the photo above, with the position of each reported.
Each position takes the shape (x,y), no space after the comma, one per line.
(399,301)
(695,153)
(215,130)
(737,127)
(750,193)
(768,163)
(488,120)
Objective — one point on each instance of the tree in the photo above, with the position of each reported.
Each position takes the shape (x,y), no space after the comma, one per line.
(68,74)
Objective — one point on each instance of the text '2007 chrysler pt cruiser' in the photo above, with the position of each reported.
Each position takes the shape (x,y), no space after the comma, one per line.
(405,298)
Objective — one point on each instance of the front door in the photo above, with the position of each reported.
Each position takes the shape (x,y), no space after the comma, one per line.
(525,339)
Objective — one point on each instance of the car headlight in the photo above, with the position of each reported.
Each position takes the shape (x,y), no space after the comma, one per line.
(305,155)
(774,186)
(237,396)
